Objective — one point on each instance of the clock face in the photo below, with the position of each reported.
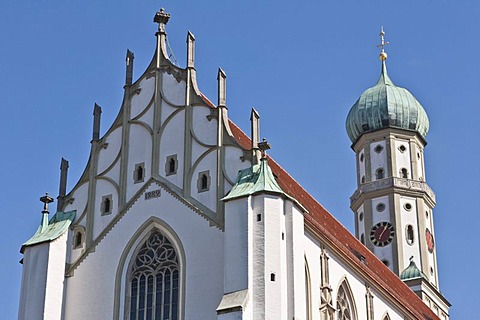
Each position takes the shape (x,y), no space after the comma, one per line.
(382,234)
(430,241)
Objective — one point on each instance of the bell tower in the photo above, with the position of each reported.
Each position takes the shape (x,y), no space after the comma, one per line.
(393,204)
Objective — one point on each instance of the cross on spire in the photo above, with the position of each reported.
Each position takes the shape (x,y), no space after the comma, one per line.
(383,43)
(161,17)
(46,199)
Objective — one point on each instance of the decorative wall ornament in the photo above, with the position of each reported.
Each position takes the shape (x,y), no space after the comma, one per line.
(393,182)
(327,311)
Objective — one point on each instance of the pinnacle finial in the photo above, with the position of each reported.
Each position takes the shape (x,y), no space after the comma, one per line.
(161,17)
(383,55)
(46,199)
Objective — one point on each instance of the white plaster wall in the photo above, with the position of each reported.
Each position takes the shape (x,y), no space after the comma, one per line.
(34,279)
(338,272)
(409,218)
(402,159)
(114,173)
(80,201)
(419,163)
(383,253)
(90,292)
(107,155)
(381,307)
(104,188)
(380,216)
(42,280)
(172,142)
(431,256)
(173,91)
(256,276)
(312,256)
(147,117)
(204,130)
(138,153)
(298,254)
(207,198)
(140,101)
(361,166)
(168,110)
(55,277)
(199,150)
(285,256)
(233,162)
(236,245)
(378,160)
(273,207)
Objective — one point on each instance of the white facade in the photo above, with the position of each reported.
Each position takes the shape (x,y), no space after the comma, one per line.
(159,174)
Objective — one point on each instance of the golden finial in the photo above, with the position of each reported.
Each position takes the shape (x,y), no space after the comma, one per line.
(383,54)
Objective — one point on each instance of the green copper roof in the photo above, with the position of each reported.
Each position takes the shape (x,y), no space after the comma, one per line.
(51,231)
(258,178)
(386,105)
(411,272)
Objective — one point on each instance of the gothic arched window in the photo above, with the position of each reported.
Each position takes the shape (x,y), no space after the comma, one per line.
(345,303)
(308,296)
(154,281)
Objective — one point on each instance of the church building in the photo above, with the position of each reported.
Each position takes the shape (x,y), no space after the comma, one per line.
(180,215)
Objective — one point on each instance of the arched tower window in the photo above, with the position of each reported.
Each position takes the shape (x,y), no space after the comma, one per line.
(380,173)
(346,309)
(410,234)
(171,165)
(154,281)
(203,183)
(404,173)
(78,239)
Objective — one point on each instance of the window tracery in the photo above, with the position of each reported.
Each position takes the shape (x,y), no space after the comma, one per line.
(154,281)
(345,303)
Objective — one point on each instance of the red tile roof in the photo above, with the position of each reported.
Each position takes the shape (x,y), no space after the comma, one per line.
(320,221)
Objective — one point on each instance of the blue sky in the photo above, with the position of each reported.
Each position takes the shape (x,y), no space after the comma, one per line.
(301,65)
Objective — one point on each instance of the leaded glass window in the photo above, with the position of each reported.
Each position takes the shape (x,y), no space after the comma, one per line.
(154,281)
(345,303)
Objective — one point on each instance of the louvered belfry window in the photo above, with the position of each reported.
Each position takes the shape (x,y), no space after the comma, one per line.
(154,281)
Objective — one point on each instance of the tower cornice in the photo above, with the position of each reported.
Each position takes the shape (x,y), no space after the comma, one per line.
(386,186)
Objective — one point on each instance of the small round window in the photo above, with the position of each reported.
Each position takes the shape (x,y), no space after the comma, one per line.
(407,206)
(380,207)
(378,148)
(402,148)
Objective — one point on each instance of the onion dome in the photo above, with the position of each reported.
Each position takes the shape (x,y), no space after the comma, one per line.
(411,272)
(386,106)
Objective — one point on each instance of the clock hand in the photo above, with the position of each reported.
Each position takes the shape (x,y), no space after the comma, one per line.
(381,234)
